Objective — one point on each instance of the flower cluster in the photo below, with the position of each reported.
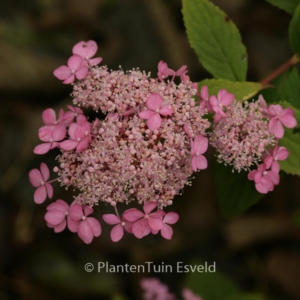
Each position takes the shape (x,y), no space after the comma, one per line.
(146,148)
(152,138)
(155,290)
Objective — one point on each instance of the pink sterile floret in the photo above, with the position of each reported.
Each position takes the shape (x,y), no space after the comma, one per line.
(76,68)
(49,116)
(117,232)
(144,222)
(57,217)
(279,116)
(187,294)
(38,178)
(73,112)
(204,99)
(164,72)
(154,289)
(278,153)
(198,147)
(224,99)
(87,50)
(88,227)
(265,179)
(51,135)
(79,137)
(152,115)
(169,219)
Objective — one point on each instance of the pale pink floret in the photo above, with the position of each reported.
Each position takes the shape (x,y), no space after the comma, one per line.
(198,147)
(164,71)
(39,178)
(169,219)
(265,179)
(155,290)
(117,232)
(57,217)
(278,153)
(73,112)
(224,99)
(279,116)
(49,116)
(79,137)
(187,294)
(144,222)
(75,68)
(88,227)
(87,50)
(51,135)
(152,115)
(204,99)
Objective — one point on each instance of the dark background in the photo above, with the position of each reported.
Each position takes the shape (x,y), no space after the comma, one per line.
(259,250)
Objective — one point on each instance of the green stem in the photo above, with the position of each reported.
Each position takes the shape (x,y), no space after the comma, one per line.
(285,66)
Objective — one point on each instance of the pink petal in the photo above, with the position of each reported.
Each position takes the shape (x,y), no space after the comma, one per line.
(268,161)
(181,71)
(141,228)
(40,194)
(74,62)
(204,93)
(154,122)
(159,214)
(85,49)
(264,186)
(45,171)
(83,144)
(200,144)
(62,73)
(117,233)
(166,110)
(282,153)
(194,164)
(87,210)
(146,114)
(49,189)
(167,232)
(95,226)
(69,79)
(111,219)
(82,72)
(35,177)
(95,61)
(287,118)
(55,217)
(128,226)
(49,116)
(45,134)
(171,218)
(68,117)
(276,128)
(251,175)
(275,167)
(68,145)
(85,232)
(149,206)
(132,214)
(274,177)
(60,227)
(262,102)
(274,109)
(72,129)
(155,224)
(154,102)
(58,205)
(42,148)
(201,162)
(75,212)
(213,100)
(59,133)
(73,225)
(225,98)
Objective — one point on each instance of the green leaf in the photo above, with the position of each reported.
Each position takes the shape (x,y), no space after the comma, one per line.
(287,5)
(246,296)
(294,31)
(236,193)
(241,90)
(215,39)
(291,141)
(210,286)
(286,87)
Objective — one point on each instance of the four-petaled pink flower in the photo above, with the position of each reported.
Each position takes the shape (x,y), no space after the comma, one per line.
(88,227)
(73,112)
(76,68)
(118,230)
(152,115)
(279,116)
(51,135)
(144,222)
(198,147)
(169,219)
(79,137)
(278,153)
(224,99)
(265,179)
(49,116)
(38,178)
(57,217)
(87,50)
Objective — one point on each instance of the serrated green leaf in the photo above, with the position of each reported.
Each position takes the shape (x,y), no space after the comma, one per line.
(294,31)
(286,87)
(210,286)
(236,193)
(291,141)
(242,90)
(287,5)
(246,296)
(215,39)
